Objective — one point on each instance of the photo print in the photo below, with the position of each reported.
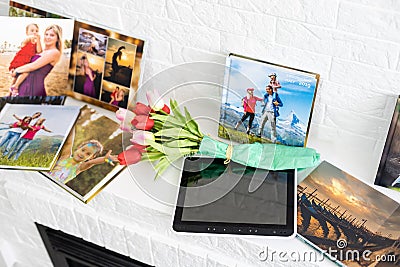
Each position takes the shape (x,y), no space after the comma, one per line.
(24,42)
(389,167)
(120,57)
(266,102)
(88,159)
(105,70)
(340,214)
(33,135)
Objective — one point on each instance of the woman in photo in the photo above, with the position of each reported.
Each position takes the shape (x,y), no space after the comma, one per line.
(86,70)
(249,105)
(115,64)
(27,138)
(117,96)
(41,64)
(83,158)
(16,129)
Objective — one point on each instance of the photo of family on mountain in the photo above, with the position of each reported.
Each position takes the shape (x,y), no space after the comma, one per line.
(32,135)
(265,102)
(34,56)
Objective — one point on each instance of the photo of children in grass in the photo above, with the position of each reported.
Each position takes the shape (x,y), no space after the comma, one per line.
(88,159)
(32,135)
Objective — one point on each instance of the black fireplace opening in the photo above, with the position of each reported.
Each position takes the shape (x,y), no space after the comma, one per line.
(70,251)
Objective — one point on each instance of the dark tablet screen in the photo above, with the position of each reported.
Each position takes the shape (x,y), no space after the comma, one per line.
(232,198)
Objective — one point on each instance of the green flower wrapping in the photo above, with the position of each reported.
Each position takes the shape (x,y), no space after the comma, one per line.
(263,156)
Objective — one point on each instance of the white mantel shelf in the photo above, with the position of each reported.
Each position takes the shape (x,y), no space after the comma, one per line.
(122,219)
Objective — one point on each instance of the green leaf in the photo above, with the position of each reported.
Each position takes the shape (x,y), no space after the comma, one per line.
(192,124)
(177,113)
(182,143)
(161,166)
(152,156)
(177,134)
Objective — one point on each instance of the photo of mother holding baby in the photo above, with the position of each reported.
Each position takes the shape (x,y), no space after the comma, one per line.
(35,71)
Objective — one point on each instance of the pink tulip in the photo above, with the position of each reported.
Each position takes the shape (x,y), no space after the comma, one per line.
(141,137)
(121,114)
(130,156)
(154,100)
(142,122)
(125,128)
(141,109)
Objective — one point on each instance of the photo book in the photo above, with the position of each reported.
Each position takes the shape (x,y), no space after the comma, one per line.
(88,160)
(389,167)
(34,56)
(105,66)
(266,102)
(32,135)
(348,220)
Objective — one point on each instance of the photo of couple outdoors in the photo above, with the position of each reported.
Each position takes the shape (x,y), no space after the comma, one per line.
(32,135)
(270,111)
(265,102)
(34,56)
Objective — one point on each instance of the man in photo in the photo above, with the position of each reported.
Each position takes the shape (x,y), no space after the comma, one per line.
(270,112)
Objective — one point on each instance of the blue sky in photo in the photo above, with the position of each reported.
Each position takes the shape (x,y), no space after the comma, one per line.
(59,119)
(297,90)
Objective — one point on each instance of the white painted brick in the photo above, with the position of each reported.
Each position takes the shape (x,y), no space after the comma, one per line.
(315,12)
(222,18)
(152,67)
(278,54)
(65,217)
(218,260)
(35,205)
(340,148)
(337,43)
(355,123)
(165,252)
(184,54)
(245,23)
(369,21)
(392,5)
(373,103)
(159,50)
(171,31)
(190,256)
(244,4)
(89,226)
(148,218)
(363,76)
(113,235)
(154,7)
(240,249)
(192,12)
(251,47)
(90,11)
(138,242)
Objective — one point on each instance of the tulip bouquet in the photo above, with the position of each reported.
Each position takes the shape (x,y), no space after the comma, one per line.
(163,134)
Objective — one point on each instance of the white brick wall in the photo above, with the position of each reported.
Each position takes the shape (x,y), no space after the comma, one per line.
(353,44)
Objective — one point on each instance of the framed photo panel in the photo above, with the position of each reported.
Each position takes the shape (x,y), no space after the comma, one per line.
(104,66)
(266,102)
(389,167)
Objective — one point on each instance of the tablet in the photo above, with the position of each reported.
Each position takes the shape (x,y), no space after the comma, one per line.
(234,199)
